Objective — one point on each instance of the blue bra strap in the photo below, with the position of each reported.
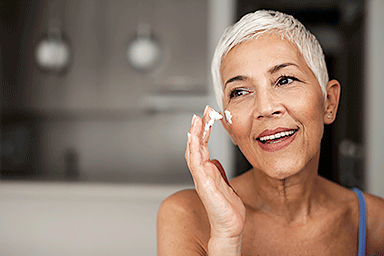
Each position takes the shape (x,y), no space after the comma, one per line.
(362,221)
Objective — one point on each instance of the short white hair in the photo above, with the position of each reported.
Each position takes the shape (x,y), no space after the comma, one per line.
(253,25)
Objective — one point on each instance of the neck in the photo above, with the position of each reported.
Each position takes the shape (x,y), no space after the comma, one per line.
(288,200)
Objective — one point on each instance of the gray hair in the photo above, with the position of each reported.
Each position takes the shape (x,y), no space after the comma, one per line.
(261,22)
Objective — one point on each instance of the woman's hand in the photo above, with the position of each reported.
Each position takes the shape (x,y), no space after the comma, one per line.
(225,209)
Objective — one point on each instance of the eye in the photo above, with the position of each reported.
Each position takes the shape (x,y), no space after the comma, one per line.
(237,92)
(284,80)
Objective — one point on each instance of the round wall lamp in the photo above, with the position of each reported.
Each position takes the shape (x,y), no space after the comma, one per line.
(53,52)
(144,50)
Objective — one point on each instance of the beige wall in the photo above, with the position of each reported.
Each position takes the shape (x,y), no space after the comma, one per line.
(70,219)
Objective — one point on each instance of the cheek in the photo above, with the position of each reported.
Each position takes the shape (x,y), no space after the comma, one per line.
(238,122)
(316,111)
(238,113)
(307,104)
(312,118)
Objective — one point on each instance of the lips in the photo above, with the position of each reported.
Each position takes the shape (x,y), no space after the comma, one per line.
(272,140)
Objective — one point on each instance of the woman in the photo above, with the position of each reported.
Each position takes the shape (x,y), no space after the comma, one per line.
(272,86)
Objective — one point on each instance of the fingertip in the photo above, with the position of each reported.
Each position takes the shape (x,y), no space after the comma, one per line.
(205,109)
(193,121)
(195,126)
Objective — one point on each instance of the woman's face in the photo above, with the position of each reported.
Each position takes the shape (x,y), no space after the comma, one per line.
(277,106)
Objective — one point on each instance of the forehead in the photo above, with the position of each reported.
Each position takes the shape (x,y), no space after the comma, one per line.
(262,53)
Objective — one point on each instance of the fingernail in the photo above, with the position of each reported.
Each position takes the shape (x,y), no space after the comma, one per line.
(206,109)
(193,119)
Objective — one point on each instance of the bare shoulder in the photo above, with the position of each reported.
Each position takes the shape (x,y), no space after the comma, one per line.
(184,205)
(182,225)
(375,224)
(375,215)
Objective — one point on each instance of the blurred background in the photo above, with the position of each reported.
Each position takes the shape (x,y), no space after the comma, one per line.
(97,98)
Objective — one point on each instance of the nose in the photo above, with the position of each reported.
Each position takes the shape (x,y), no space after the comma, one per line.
(267,105)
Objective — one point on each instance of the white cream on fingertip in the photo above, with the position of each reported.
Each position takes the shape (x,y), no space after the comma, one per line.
(228,116)
(213,116)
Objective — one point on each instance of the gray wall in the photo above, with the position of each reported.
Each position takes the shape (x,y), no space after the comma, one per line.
(96,107)
(374,98)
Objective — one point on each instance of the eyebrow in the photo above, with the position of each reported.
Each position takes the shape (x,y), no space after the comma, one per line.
(272,70)
(276,68)
(234,79)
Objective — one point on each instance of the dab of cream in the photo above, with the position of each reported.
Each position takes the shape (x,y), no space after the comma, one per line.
(228,116)
(213,116)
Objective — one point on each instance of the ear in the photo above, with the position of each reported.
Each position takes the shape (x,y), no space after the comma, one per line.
(228,129)
(332,101)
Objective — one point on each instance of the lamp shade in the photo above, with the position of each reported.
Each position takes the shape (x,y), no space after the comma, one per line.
(53,52)
(144,51)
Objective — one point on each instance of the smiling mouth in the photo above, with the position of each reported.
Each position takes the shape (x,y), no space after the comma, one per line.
(277,137)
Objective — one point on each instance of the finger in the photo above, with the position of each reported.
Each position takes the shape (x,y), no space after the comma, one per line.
(187,150)
(193,149)
(196,164)
(197,152)
(197,131)
(196,126)
(209,118)
(195,156)
(206,125)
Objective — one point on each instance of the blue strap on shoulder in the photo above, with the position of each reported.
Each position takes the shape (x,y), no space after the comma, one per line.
(362,221)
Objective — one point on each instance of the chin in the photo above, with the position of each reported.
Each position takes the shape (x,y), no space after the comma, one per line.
(283,171)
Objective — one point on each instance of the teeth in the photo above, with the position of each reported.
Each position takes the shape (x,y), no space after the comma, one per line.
(277,135)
